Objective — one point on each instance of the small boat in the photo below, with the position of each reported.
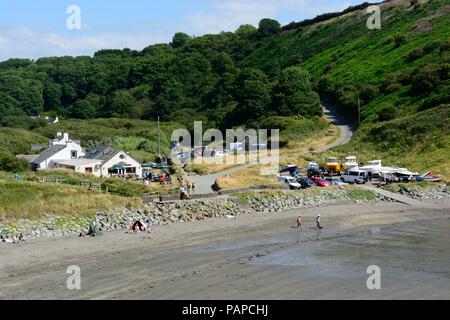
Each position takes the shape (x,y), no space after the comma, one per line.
(428,176)
(351,163)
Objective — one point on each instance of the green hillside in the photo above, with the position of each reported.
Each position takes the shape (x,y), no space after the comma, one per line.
(397,70)
(420,142)
(268,75)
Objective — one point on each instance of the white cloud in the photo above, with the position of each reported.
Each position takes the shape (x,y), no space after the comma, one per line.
(229,15)
(217,16)
(35,44)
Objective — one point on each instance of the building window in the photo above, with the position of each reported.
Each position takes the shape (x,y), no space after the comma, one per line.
(74,154)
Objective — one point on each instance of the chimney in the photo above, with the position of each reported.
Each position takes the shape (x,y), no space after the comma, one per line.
(58,134)
(66,136)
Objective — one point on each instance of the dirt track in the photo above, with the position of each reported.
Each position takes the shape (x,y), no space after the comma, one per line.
(252,257)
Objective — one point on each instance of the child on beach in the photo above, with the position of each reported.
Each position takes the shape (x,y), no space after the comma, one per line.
(299,222)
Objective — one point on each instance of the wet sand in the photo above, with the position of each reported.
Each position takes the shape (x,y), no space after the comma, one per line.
(251,257)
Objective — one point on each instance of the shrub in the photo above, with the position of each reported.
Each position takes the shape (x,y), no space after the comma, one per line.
(387,113)
(426,78)
(415,54)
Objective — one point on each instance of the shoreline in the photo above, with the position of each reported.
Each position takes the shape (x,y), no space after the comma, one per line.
(174,253)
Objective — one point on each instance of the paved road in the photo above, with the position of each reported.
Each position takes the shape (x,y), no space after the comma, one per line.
(204,183)
(346,128)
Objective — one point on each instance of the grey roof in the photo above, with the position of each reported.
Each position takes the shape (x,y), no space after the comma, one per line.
(48,153)
(27,157)
(106,153)
(103,153)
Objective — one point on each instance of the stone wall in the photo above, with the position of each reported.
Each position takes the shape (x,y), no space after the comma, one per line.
(421,191)
(274,201)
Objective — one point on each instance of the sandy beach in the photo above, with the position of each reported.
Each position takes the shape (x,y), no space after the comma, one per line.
(250,257)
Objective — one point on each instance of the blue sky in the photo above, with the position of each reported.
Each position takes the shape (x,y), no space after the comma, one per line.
(32,29)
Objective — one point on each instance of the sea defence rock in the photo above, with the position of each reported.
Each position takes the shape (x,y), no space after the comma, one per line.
(186,211)
(421,191)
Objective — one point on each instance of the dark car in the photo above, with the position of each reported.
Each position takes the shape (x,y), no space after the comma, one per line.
(306,182)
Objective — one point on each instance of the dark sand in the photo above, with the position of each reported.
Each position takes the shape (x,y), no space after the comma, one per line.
(251,257)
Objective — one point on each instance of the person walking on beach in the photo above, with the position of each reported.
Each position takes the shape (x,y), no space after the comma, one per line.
(318,222)
(182,192)
(299,222)
(149,225)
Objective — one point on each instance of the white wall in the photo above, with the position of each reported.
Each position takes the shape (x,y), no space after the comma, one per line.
(64,154)
(116,159)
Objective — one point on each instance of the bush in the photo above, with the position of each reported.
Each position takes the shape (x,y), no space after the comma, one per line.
(23,122)
(426,78)
(9,162)
(415,54)
(387,113)
(399,40)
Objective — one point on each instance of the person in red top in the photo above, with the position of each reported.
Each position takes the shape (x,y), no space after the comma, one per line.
(299,222)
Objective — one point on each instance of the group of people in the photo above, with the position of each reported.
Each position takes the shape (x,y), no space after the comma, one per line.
(142,226)
(299,222)
(13,240)
(187,189)
(163,179)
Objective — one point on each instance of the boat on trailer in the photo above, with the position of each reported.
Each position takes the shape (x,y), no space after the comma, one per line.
(428,176)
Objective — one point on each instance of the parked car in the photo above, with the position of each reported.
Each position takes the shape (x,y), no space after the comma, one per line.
(222,153)
(336,181)
(314,169)
(321,182)
(306,182)
(236,147)
(355,176)
(290,181)
(293,170)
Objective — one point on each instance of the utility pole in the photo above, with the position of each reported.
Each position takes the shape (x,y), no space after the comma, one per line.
(159,139)
(359,112)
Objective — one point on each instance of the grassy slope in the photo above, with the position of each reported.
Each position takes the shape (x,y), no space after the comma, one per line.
(420,142)
(19,141)
(417,140)
(27,199)
(359,55)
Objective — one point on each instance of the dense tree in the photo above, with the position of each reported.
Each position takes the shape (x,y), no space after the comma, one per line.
(294,95)
(180,39)
(268,27)
(245,30)
(253,100)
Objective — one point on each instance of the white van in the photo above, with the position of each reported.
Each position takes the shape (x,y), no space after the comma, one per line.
(355,176)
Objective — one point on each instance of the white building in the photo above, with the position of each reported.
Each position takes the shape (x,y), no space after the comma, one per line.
(82,165)
(60,148)
(114,162)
